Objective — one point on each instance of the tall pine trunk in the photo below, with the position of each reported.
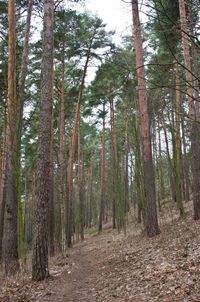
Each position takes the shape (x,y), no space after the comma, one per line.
(113,160)
(80,181)
(193,113)
(20,103)
(40,268)
(160,157)
(61,154)
(24,67)
(185,165)
(3,182)
(126,172)
(51,193)
(72,153)
(152,227)
(10,246)
(103,168)
(177,145)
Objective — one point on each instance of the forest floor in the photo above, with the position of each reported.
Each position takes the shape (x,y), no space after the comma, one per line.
(113,267)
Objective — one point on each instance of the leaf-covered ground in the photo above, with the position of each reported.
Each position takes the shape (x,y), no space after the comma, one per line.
(111,267)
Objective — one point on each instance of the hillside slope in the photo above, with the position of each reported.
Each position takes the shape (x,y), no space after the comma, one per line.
(111,267)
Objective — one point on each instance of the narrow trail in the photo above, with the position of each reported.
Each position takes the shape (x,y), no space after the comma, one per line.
(80,280)
(75,284)
(113,268)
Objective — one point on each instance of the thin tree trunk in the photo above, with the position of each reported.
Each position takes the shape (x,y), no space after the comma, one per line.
(162,187)
(194,62)
(126,188)
(24,66)
(170,165)
(80,182)
(72,154)
(113,159)
(156,164)
(10,246)
(90,192)
(195,127)
(177,145)
(185,165)
(138,175)
(51,193)
(40,268)
(61,154)
(3,182)
(152,227)
(20,96)
(103,168)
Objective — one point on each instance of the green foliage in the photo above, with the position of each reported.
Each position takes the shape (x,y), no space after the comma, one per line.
(165,25)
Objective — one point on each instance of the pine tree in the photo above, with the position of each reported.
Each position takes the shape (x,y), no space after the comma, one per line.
(10,246)
(152,228)
(40,268)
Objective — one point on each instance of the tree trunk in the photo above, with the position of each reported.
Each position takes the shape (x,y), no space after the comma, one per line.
(103,168)
(80,182)
(3,182)
(152,227)
(10,245)
(24,67)
(113,159)
(194,61)
(51,193)
(61,154)
(90,193)
(161,178)
(72,153)
(40,246)
(185,165)
(138,174)
(177,145)
(195,127)
(126,188)
(20,96)
(170,165)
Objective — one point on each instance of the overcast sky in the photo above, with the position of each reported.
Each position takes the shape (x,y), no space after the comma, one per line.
(115,13)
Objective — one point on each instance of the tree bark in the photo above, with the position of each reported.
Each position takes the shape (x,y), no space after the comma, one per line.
(40,246)
(177,145)
(51,193)
(103,168)
(113,160)
(152,227)
(185,165)
(161,178)
(61,154)
(3,182)
(80,182)
(126,188)
(138,174)
(193,114)
(72,152)
(10,246)
(24,67)
(170,164)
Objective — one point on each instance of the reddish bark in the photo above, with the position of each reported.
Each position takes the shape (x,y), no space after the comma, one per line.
(40,268)
(152,228)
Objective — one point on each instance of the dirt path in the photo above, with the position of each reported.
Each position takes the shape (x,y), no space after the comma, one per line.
(114,268)
(111,268)
(76,282)
(79,281)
